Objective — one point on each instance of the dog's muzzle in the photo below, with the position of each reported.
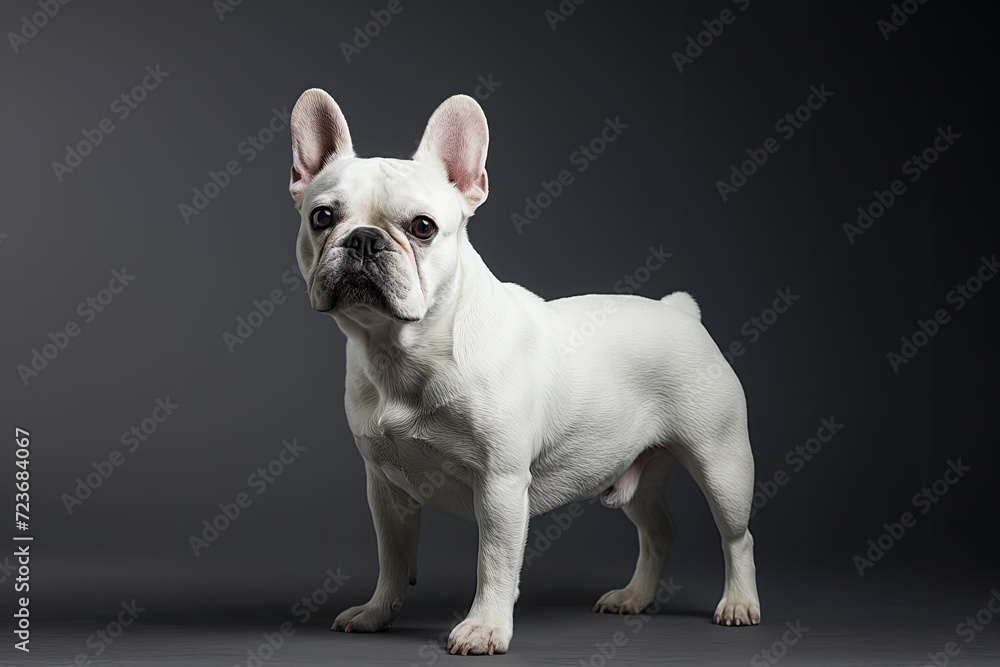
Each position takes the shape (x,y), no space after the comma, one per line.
(360,274)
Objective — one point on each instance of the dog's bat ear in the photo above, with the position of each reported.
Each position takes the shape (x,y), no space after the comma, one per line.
(457,136)
(319,134)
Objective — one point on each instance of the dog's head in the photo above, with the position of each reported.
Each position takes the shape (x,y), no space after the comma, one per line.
(379,237)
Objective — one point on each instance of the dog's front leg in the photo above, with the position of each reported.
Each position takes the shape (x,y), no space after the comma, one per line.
(397,529)
(501,505)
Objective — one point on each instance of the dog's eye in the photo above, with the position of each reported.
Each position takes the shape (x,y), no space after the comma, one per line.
(322,217)
(423,228)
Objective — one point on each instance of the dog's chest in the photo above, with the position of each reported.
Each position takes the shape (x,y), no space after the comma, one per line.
(425,453)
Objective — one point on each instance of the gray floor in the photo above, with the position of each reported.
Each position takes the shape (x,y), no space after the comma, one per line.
(845,622)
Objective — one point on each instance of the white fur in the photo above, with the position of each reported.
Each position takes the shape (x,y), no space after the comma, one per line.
(480,410)
(685,302)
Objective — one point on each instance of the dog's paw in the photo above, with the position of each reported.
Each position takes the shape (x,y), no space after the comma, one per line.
(622,601)
(363,618)
(479,638)
(737,611)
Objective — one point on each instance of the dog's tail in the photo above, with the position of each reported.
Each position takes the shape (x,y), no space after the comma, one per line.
(685,302)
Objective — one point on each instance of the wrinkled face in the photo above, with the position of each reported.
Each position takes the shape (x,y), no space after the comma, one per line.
(378,238)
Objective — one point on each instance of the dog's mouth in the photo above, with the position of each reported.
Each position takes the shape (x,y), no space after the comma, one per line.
(356,286)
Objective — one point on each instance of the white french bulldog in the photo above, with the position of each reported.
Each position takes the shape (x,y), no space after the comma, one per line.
(462,393)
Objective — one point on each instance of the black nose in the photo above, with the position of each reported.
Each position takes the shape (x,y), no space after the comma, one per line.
(365,242)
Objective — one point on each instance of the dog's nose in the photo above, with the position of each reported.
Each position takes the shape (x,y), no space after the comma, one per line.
(365,242)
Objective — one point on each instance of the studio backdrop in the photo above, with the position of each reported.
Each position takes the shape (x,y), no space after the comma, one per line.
(821,177)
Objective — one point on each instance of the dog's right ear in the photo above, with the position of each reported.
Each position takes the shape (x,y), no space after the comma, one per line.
(319,134)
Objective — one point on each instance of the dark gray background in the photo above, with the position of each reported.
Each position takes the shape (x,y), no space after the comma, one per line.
(654,186)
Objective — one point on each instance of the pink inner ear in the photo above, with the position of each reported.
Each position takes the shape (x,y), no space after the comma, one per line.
(459,137)
(319,132)
(479,185)
(464,170)
(324,137)
(298,183)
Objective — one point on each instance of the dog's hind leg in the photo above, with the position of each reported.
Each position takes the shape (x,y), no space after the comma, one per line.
(722,466)
(647,509)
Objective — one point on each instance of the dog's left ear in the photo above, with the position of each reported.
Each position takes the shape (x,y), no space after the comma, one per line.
(319,133)
(457,136)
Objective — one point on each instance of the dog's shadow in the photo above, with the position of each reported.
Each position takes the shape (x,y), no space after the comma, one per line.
(557,614)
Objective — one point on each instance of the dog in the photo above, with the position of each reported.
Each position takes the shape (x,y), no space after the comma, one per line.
(463,395)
